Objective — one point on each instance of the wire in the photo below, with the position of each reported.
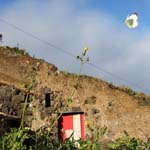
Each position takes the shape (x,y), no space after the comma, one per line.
(70,54)
(37,38)
(116,76)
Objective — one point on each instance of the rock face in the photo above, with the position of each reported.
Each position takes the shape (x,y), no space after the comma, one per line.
(120,109)
(42,107)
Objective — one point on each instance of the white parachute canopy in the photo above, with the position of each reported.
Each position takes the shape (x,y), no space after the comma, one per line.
(132,20)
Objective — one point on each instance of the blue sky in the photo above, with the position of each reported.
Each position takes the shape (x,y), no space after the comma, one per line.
(115,7)
(73,24)
(120,8)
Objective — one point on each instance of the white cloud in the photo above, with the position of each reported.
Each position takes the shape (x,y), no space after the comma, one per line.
(112,46)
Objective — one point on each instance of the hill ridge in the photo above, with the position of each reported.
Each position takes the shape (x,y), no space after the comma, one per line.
(119,108)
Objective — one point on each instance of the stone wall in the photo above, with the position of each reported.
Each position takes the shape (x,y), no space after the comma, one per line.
(11,103)
(41,109)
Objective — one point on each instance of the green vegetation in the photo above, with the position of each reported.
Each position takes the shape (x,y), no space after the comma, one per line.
(20,51)
(129,143)
(14,51)
(25,139)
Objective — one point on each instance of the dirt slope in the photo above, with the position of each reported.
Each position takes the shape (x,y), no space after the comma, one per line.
(120,109)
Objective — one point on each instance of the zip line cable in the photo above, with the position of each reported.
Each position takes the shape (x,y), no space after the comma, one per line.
(37,38)
(69,53)
(116,76)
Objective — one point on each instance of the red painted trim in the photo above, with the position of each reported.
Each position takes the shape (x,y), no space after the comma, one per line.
(82,126)
(67,124)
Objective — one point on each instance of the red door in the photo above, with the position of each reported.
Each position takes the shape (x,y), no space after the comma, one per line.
(67,126)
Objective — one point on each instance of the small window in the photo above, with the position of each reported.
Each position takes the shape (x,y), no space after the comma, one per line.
(47,100)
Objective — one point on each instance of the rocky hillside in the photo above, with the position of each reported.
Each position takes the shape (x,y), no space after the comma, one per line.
(119,108)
